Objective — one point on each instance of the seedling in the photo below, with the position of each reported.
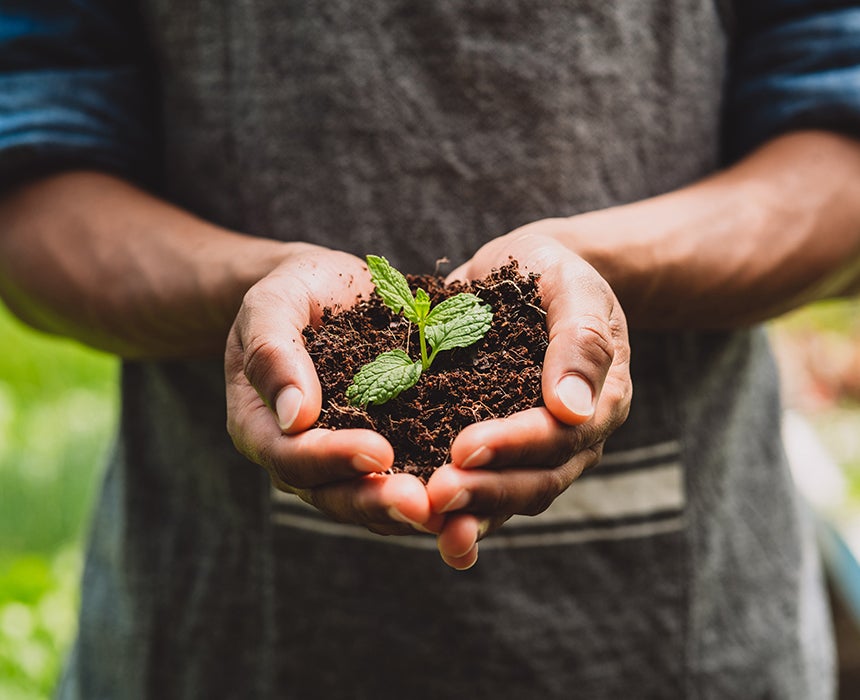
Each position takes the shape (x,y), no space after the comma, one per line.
(456,322)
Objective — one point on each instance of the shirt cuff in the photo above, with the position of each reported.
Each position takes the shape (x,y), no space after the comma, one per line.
(54,120)
(801,74)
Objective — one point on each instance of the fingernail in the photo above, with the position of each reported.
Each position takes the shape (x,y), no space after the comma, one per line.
(575,393)
(287,406)
(483,455)
(366,463)
(458,555)
(460,500)
(472,550)
(395,514)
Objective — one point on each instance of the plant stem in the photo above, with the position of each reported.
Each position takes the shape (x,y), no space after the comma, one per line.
(432,357)
(425,363)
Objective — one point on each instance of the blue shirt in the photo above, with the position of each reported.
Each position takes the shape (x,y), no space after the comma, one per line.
(76,85)
(75,90)
(795,65)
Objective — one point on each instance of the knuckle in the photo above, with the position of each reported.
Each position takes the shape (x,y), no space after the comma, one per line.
(618,396)
(280,484)
(621,412)
(589,338)
(234,430)
(593,454)
(567,447)
(262,454)
(572,443)
(233,352)
(326,501)
(237,422)
(261,356)
(597,339)
(596,451)
(497,500)
(260,296)
(618,324)
(582,439)
(254,302)
(552,483)
(295,477)
(379,529)
(283,474)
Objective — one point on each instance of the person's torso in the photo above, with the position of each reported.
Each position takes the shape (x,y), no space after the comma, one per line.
(418,130)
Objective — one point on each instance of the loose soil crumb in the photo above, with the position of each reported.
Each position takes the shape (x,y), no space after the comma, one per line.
(494,378)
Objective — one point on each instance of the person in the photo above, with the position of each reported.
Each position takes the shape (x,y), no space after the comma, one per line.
(181,178)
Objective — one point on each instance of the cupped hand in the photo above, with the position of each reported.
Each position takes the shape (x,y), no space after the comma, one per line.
(520,464)
(274,397)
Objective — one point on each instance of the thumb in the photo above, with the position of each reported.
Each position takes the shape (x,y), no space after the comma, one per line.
(580,352)
(575,368)
(266,349)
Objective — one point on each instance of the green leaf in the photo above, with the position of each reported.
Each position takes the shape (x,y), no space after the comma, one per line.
(422,304)
(452,308)
(392,287)
(461,330)
(383,379)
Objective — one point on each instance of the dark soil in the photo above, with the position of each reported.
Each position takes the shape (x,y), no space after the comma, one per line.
(496,377)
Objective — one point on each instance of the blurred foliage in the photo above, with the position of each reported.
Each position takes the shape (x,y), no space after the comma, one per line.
(841,316)
(838,316)
(819,352)
(58,403)
(38,604)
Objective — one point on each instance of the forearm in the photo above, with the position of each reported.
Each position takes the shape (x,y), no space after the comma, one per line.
(779,229)
(89,256)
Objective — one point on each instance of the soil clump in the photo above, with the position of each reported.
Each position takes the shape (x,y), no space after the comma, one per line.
(496,377)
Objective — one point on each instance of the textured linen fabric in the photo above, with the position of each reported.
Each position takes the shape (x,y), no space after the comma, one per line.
(681,567)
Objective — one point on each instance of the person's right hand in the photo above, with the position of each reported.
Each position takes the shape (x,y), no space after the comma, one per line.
(274,397)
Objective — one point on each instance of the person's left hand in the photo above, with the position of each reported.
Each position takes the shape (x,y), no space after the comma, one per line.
(520,464)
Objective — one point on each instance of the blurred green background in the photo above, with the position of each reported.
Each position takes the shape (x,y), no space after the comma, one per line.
(58,408)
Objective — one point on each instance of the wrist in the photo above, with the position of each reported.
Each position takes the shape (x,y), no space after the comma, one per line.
(175,280)
(690,244)
(245,260)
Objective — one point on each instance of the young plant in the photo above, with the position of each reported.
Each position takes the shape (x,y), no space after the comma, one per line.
(456,322)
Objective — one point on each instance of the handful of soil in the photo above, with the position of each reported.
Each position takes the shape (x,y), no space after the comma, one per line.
(496,377)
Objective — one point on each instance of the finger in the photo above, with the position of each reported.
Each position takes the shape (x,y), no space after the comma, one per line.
(506,492)
(458,541)
(582,345)
(318,457)
(463,563)
(529,438)
(266,346)
(306,459)
(433,527)
(377,499)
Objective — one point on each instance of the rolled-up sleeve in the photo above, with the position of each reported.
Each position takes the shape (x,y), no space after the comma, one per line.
(795,65)
(75,91)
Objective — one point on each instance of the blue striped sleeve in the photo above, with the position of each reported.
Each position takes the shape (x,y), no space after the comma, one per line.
(795,65)
(74,90)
